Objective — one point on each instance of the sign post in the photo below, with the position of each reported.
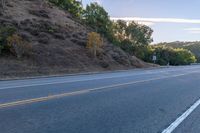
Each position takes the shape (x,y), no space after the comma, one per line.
(154,58)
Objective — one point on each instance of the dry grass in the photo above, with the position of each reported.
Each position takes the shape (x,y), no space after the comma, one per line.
(58,44)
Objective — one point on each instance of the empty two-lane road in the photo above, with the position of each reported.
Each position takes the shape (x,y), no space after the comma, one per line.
(135,101)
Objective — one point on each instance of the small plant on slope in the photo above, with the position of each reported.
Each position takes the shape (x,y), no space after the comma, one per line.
(94,42)
(18,46)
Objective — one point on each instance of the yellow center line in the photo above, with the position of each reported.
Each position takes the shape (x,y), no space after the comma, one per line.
(46,98)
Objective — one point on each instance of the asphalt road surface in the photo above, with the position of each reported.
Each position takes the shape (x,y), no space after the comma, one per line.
(160,100)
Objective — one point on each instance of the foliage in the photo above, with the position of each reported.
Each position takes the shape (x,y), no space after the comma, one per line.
(119,33)
(94,42)
(194,47)
(73,6)
(5,32)
(116,32)
(132,37)
(18,46)
(165,55)
(96,17)
(139,34)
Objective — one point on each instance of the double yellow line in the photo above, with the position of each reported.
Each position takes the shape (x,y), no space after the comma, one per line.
(46,98)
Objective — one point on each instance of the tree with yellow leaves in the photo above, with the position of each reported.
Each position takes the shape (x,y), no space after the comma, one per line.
(94,42)
(18,46)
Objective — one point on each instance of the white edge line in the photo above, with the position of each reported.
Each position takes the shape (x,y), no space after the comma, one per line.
(180,119)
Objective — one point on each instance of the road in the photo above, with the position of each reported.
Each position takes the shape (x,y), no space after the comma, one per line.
(162,100)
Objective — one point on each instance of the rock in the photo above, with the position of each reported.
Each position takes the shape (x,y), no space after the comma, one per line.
(79,42)
(33,32)
(1,13)
(59,36)
(67,35)
(10,5)
(43,38)
(25,22)
(39,13)
(104,64)
(75,36)
(25,36)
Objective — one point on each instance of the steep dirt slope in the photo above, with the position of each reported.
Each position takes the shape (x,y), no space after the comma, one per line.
(58,41)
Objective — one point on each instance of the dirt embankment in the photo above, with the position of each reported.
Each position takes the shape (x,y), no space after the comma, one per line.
(58,43)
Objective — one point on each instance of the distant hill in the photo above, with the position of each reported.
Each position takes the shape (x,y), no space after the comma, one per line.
(194,47)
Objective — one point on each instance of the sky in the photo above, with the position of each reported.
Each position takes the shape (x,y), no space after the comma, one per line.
(171,20)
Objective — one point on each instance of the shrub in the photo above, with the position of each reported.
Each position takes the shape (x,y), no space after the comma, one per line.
(96,17)
(5,32)
(94,42)
(72,6)
(18,46)
(173,56)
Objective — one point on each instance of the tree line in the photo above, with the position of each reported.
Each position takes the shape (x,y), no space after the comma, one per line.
(132,37)
(194,47)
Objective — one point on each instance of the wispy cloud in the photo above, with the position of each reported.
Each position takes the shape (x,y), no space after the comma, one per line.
(146,23)
(193,30)
(159,20)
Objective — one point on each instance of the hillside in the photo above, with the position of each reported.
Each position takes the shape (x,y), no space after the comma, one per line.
(58,43)
(194,47)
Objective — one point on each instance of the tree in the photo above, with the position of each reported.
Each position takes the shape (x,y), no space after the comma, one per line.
(96,17)
(175,56)
(119,30)
(73,6)
(94,42)
(133,38)
(139,34)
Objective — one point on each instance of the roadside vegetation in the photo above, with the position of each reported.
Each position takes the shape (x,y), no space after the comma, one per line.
(133,38)
(167,55)
(194,47)
(12,43)
(94,42)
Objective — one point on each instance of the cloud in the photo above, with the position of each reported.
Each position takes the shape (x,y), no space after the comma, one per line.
(146,23)
(159,20)
(193,30)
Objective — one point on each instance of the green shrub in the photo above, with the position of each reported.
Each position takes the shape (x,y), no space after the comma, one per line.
(5,32)
(174,56)
(72,6)
(18,46)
